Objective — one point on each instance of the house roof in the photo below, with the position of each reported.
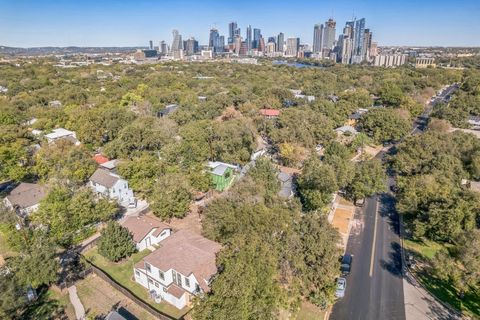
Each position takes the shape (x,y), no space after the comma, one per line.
(26,195)
(270,112)
(219,168)
(142,225)
(100,159)
(59,133)
(187,253)
(344,129)
(110,165)
(104,178)
(176,291)
(114,315)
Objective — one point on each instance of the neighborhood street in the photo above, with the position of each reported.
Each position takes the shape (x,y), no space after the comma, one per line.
(377,288)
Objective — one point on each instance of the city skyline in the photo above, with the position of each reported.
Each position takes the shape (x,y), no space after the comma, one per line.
(46,23)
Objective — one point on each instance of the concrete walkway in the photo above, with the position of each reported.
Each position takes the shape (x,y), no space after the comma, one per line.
(420,305)
(77,304)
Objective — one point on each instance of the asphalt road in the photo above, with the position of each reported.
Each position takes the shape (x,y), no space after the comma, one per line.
(375,285)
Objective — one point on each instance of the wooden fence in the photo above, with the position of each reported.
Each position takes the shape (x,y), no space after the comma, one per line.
(156,313)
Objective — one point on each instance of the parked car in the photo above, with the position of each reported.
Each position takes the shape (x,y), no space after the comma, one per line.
(341,286)
(346,264)
(360,202)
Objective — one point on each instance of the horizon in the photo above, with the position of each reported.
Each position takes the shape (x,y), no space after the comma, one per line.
(35,24)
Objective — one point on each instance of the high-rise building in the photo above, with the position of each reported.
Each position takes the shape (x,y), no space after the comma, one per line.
(177,45)
(292,47)
(270,49)
(329,34)
(237,44)
(221,44)
(271,39)
(249,38)
(213,39)
(367,44)
(261,44)
(257,34)
(232,28)
(151,45)
(317,38)
(191,46)
(390,60)
(163,48)
(358,43)
(280,42)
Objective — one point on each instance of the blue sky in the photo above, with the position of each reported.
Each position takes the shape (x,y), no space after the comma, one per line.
(28,23)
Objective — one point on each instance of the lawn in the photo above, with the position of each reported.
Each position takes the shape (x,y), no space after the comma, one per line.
(122,272)
(424,251)
(309,311)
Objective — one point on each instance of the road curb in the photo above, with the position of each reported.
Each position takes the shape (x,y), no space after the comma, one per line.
(406,273)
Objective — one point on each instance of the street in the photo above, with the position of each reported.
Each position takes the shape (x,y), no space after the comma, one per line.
(375,287)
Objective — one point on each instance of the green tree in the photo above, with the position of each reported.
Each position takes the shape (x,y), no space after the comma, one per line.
(13,297)
(385,125)
(316,184)
(370,178)
(320,255)
(170,197)
(116,242)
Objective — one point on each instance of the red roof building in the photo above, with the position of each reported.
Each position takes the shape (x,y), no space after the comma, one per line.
(99,159)
(270,113)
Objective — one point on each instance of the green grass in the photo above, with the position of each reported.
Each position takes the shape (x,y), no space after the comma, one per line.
(424,251)
(309,311)
(122,272)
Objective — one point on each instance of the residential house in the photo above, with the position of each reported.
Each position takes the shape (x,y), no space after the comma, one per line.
(168,109)
(222,174)
(146,231)
(110,165)
(474,122)
(349,130)
(112,186)
(286,185)
(356,116)
(270,113)
(55,104)
(60,134)
(298,94)
(179,269)
(100,159)
(25,198)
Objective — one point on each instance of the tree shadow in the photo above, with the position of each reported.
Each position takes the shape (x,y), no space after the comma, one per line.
(394,263)
(44,307)
(387,210)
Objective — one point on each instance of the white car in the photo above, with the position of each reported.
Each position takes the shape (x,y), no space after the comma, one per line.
(341,286)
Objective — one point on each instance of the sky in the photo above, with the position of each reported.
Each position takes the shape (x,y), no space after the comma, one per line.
(29,23)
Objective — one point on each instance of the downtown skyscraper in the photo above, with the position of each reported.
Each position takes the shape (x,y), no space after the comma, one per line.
(317,38)
(249,38)
(232,28)
(329,34)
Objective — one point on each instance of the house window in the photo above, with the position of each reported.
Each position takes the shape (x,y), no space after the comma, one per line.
(187,282)
(174,276)
(163,233)
(164,289)
(137,273)
(147,267)
(179,279)
(161,275)
(156,284)
(125,186)
(150,280)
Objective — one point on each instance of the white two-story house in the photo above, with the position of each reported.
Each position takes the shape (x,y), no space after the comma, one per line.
(146,231)
(180,268)
(112,186)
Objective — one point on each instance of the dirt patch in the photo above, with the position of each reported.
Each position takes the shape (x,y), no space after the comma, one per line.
(99,298)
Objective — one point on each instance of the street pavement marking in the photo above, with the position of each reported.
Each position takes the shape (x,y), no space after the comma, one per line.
(374,239)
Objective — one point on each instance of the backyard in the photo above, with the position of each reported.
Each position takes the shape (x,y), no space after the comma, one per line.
(122,272)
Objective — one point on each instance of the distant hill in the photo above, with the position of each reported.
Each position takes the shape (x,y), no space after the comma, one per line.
(64,50)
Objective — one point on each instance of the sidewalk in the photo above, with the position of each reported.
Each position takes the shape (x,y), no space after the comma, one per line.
(77,304)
